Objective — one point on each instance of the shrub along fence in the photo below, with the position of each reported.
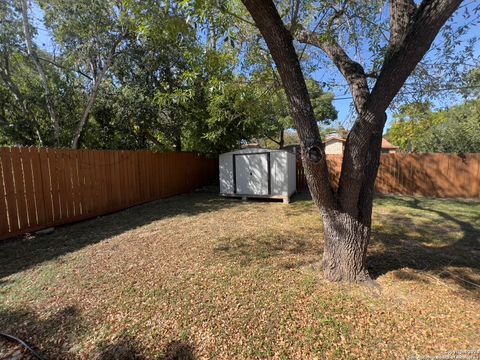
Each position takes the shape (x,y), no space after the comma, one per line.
(434,175)
(40,188)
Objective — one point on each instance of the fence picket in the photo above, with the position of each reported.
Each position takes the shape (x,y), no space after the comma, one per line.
(4,227)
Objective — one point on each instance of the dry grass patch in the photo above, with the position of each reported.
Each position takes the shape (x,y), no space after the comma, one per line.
(200,277)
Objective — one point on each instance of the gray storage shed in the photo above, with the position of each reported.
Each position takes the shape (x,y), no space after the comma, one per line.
(257,172)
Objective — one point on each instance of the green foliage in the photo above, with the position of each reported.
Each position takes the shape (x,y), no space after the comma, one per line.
(459,133)
(172,79)
(455,130)
(411,122)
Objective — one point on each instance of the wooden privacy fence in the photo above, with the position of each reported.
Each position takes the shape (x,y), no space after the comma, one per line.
(40,188)
(434,175)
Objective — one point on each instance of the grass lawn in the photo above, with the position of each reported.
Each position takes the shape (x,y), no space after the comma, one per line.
(199,277)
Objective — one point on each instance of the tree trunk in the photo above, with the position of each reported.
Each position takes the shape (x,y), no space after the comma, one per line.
(345,249)
(178,143)
(281,143)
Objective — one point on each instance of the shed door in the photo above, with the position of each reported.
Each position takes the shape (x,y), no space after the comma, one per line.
(251,174)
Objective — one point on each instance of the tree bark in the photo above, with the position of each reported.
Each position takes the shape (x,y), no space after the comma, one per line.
(345,248)
(280,44)
(87,111)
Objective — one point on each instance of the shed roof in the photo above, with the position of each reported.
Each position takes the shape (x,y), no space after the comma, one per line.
(253,151)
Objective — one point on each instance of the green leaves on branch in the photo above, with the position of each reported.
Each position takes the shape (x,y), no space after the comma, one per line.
(456,130)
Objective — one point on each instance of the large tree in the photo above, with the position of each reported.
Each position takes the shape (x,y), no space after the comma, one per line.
(347,211)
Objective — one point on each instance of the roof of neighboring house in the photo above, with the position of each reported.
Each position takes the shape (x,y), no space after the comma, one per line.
(250,146)
(387,145)
(335,138)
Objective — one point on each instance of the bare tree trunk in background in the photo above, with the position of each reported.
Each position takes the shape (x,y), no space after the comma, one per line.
(87,110)
(97,80)
(347,213)
(43,78)
(281,143)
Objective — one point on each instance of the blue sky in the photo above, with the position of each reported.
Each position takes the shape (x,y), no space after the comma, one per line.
(342,102)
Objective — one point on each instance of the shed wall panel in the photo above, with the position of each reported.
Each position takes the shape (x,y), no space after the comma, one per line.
(282,172)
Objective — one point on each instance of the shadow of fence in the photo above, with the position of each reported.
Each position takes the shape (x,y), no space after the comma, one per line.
(22,253)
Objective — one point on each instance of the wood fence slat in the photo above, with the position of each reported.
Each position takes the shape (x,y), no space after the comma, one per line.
(126,192)
(45,172)
(56,174)
(70,182)
(10,197)
(4,228)
(77,197)
(65,192)
(109,171)
(475,189)
(137,178)
(115,158)
(17,166)
(85,182)
(100,180)
(29,186)
(94,191)
(128,179)
(38,187)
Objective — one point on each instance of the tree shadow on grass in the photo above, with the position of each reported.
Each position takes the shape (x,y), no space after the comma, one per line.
(286,250)
(447,241)
(128,348)
(54,336)
(123,348)
(178,350)
(50,335)
(22,253)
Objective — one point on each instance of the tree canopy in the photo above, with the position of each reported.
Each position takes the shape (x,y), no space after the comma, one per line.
(135,75)
(417,128)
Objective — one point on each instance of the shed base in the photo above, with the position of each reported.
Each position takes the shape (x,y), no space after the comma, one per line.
(286,199)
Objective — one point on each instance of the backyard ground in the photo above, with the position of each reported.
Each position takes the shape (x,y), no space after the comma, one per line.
(199,277)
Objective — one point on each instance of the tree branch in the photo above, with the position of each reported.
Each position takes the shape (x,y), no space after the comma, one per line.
(64,68)
(272,139)
(402,58)
(399,63)
(401,14)
(97,80)
(351,70)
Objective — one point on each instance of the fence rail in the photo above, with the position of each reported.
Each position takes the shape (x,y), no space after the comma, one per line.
(40,188)
(434,175)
